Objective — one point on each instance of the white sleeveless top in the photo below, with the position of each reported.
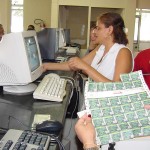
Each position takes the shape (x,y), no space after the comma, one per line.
(107,65)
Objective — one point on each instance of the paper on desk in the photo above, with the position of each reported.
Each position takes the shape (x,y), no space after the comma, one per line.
(39,118)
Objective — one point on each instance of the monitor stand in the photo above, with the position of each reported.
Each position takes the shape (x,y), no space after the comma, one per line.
(20,89)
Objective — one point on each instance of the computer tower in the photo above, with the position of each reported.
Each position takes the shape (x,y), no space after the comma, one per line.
(48,40)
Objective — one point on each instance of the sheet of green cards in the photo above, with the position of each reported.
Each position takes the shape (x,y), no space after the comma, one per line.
(117,108)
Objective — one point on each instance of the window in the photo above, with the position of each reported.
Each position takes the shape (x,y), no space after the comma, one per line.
(137,27)
(142,25)
(16,15)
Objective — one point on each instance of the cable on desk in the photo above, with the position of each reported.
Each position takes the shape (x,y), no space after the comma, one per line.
(83,105)
(73,87)
(72,82)
(76,88)
(69,78)
(72,116)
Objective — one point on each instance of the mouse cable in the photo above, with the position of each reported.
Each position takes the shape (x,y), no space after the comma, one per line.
(61,146)
(76,104)
(83,105)
(69,78)
(72,82)
(71,90)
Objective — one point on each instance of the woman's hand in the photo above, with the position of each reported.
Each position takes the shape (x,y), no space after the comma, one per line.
(86,131)
(76,63)
(45,66)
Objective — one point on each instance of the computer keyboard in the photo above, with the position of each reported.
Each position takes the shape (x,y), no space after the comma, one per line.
(24,140)
(51,88)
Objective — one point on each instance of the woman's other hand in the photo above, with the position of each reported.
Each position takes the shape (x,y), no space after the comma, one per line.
(86,131)
(76,63)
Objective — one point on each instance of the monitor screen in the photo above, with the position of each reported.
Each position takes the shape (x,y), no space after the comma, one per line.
(20,59)
(32,53)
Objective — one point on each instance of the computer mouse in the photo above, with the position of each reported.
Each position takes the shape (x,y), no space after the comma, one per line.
(49,126)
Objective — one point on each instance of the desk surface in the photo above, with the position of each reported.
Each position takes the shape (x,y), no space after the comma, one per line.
(18,111)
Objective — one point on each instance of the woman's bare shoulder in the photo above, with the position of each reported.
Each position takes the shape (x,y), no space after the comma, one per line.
(125,51)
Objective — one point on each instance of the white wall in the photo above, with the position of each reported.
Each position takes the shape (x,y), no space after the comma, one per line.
(5,14)
(37,9)
(127,7)
(143,4)
(144,45)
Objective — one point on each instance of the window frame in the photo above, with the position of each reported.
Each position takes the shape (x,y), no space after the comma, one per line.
(16,6)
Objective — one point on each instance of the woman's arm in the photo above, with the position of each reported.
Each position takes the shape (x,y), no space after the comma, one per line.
(123,65)
(56,66)
(64,65)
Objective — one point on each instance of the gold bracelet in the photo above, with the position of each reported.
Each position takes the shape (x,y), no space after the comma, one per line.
(93,146)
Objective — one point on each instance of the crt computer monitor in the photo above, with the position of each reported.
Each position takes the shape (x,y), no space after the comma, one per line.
(50,41)
(20,60)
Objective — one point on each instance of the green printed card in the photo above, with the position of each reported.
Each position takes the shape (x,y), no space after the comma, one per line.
(117,108)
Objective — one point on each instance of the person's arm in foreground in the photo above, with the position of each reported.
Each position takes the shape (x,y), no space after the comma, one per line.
(86,132)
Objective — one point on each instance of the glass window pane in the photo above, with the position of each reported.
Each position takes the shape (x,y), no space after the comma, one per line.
(136,29)
(15,2)
(17,7)
(145,27)
(17,15)
(17,21)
